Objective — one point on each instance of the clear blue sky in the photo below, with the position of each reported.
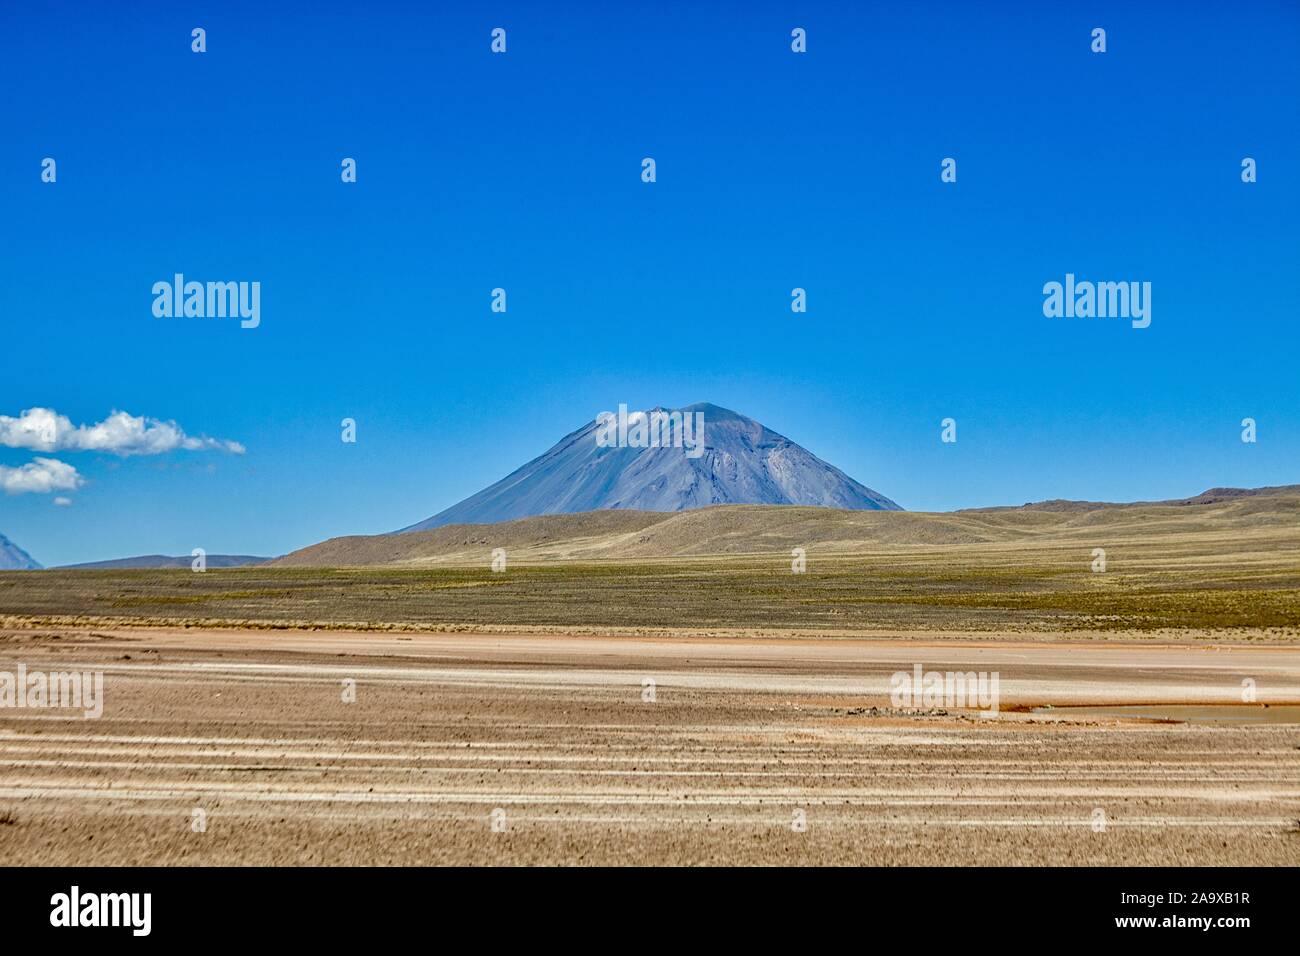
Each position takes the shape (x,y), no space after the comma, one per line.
(522,170)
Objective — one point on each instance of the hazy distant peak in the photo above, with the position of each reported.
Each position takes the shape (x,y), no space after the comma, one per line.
(14,558)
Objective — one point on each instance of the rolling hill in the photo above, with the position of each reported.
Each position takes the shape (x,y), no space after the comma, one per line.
(759,529)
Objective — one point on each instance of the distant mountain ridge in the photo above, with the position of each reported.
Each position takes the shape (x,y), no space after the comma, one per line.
(1207,497)
(741,462)
(14,558)
(168,561)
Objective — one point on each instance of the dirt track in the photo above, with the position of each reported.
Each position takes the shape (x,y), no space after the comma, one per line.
(555,733)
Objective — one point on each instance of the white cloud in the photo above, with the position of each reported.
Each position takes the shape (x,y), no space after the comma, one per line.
(43,429)
(63,502)
(40,477)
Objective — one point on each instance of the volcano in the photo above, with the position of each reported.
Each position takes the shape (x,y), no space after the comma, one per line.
(732,459)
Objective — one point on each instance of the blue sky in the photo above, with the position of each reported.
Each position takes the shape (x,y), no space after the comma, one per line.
(522,171)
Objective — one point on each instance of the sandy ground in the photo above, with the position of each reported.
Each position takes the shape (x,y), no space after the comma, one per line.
(237,747)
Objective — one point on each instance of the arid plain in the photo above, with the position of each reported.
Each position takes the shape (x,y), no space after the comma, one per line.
(640,689)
